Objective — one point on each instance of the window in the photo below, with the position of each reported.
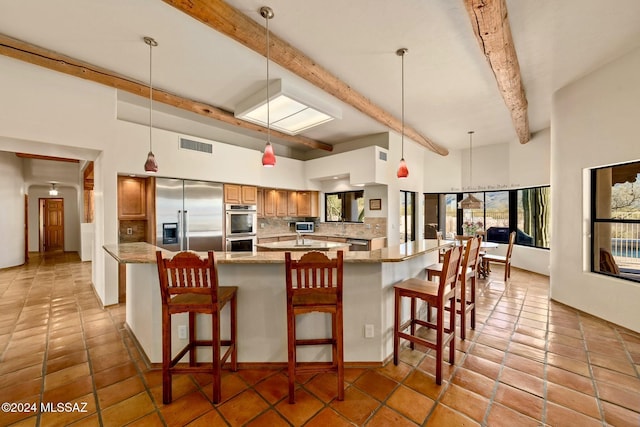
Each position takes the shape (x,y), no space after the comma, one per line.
(451,215)
(526,211)
(346,206)
(615,229)
(407,216)
(533,217)
(431,214)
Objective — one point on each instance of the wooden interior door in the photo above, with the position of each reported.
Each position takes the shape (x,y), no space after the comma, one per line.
(53,227)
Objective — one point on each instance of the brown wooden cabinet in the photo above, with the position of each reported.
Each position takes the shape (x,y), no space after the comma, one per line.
(132,198)
(260,202)
(235,193)
(281,202)
(270,196)
(292,203)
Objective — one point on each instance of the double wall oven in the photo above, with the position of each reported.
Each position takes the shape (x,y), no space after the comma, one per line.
(241,226)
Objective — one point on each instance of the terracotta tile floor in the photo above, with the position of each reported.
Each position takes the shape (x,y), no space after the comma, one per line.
(530,362)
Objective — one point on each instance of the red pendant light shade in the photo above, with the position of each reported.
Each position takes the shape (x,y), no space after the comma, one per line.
(268,158)
(403,171)
(151,165)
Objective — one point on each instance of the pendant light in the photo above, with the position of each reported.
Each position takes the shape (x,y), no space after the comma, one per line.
(470,202)
(150,166)
(268,158)
(53,191)
(403,171)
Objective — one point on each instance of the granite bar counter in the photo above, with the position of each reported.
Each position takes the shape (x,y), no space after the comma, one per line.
(262,328)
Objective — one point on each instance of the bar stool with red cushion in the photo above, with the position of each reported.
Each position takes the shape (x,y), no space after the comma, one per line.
(189,284)
(314,284)
(438,296)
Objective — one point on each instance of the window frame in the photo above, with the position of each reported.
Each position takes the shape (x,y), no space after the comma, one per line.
(342,208)
(597,220)
(513,209)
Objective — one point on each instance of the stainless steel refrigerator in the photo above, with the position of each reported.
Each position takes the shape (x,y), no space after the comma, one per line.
(189,215)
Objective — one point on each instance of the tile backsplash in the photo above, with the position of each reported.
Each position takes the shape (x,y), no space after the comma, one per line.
(372,227)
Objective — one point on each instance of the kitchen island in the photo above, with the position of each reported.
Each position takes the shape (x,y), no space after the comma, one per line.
(262,327)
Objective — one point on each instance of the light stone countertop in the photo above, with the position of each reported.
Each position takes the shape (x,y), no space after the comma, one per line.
(307,245)
(145,253)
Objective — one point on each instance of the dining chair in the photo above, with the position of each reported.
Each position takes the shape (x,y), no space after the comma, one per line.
(487,259)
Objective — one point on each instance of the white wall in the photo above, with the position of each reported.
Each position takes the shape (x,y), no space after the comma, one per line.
(595,123)
(12,211)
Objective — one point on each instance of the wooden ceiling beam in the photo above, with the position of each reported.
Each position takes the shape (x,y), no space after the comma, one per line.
(41,157)
(36,55)
(490,23)
(229,21)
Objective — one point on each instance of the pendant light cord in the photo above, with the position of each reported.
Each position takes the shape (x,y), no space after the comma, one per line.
(267,14)
(150,96)
(403,104)
(470,160)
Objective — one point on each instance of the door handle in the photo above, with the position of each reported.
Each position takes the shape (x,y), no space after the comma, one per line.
(186,229)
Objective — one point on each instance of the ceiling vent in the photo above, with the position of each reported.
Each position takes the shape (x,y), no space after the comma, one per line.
(203,147)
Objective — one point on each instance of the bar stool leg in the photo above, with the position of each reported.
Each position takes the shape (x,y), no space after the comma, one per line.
(215,344)
(192,339)
(396,326)
(166,356)
(292,356)
(234,332)
(413,323)
(439,340)
(463,307)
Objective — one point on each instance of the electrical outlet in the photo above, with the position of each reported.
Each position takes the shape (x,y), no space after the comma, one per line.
(368,331)
(129,230)
(182,332)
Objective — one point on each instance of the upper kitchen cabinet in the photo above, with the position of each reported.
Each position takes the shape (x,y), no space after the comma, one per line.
(260,203)
(282,202)
(132,198)
(240,194)
(307,203)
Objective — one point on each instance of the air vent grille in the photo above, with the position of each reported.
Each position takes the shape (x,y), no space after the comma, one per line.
(382,155)
(203,147)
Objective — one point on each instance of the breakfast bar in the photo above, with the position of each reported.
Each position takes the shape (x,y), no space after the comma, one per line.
(369,277)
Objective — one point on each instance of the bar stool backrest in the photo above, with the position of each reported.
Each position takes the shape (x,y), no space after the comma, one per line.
(187,273)
(314,273)
(449,274)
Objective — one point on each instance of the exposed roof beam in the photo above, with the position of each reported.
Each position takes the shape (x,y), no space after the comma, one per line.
(229,21)
(491,27)
(32,54)
(40,157)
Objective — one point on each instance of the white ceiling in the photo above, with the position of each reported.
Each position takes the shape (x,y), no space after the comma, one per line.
(449,87)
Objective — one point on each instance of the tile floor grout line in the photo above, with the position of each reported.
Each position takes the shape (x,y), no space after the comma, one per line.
(46,353)
(89,361)
(123,334)
(504,358)
(590,367)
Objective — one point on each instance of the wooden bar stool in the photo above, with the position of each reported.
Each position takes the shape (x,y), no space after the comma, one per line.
(466,276)
(437,295)
(189,284)
(314,284)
